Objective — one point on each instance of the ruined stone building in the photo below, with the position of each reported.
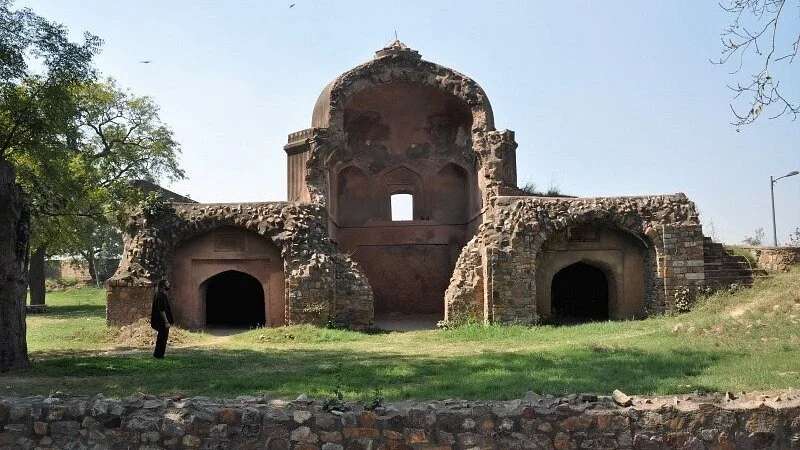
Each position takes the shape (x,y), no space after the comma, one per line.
(473,246)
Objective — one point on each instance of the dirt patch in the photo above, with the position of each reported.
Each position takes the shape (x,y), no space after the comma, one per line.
(139,334)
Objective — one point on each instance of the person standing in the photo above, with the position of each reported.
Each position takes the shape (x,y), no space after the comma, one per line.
(161,318)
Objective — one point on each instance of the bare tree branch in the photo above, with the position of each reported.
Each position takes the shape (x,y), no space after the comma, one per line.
(759,39)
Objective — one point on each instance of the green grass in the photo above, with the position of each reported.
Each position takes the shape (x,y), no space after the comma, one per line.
(744,252)
(749,340)
(75,321)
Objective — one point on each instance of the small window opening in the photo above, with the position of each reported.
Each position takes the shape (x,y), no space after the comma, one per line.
(402,207)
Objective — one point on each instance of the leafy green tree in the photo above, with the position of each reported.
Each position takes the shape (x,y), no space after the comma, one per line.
(117,138)
(36,113)
(75,143)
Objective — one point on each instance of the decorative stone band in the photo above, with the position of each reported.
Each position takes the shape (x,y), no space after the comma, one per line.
(322,284)
(576,421)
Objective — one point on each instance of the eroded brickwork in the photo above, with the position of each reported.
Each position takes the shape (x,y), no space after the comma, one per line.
(398,124)
(777,259)
(322,284)
(503,256)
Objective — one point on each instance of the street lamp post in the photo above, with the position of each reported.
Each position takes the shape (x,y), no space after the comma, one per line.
(772,182)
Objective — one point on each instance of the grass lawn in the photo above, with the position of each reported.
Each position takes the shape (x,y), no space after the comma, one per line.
(748,341)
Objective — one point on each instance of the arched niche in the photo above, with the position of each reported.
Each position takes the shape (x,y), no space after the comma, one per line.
(619,255)
(403,180)
(450,196)
(402,122)
(220,250)
(355,198)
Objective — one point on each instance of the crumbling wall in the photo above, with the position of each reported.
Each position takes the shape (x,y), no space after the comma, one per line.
(776,259)
(494,150)
(515,228)
(464,298)
(322,284)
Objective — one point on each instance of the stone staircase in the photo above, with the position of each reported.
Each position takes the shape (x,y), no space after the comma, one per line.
(723,268)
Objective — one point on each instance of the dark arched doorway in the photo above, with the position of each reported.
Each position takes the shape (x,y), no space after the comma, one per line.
(579,293)
(234,299)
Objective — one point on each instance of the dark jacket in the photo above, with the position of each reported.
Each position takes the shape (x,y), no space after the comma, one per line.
(160,304)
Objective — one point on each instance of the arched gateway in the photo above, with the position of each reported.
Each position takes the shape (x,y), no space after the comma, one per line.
(463,242)
(227,277)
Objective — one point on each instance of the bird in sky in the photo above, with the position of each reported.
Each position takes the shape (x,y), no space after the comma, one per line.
(146,61)
(292,5)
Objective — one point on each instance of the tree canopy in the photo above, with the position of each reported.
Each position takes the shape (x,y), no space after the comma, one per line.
(75,141)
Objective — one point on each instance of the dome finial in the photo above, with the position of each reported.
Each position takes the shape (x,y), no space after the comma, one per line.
(396,47)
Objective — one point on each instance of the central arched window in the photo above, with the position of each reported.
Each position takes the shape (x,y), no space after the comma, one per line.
(402,207)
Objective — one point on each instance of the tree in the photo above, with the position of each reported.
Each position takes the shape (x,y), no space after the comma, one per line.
(756,239)
(35,112)
(794,238)
(530,188)
(762,39)
(73,144)
(77,200)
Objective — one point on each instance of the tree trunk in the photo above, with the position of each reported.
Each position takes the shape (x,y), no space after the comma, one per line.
(14,234)
(36,277)
(90,263)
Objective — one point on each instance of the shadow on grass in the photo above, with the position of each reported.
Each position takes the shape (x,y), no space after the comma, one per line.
(72,311)
(286,373)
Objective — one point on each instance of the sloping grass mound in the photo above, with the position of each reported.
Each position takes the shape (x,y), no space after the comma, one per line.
(767,313)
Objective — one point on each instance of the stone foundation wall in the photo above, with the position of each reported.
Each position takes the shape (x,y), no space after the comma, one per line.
(535,422)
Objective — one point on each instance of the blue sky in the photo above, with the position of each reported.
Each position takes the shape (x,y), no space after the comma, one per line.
(606,98)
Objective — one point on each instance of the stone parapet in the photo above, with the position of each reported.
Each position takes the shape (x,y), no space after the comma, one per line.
(541,422)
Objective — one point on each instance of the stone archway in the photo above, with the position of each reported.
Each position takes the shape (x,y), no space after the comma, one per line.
(579,292)
(577,261)
(234,299)
(225,262)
